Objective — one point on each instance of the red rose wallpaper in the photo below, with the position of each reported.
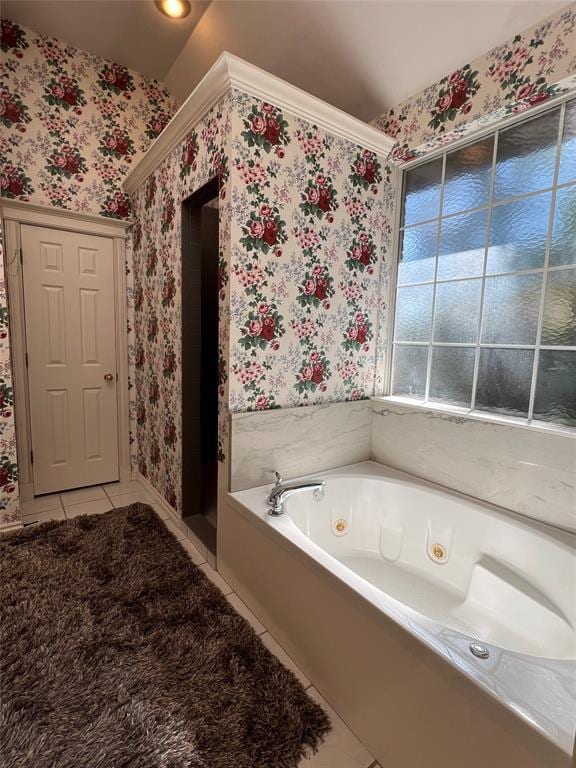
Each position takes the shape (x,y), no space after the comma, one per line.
(75,123)
(530,68)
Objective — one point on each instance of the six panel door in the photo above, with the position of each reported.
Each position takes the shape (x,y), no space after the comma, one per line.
(71,345)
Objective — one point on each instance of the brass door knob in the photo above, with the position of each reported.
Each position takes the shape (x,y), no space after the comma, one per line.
(108,377)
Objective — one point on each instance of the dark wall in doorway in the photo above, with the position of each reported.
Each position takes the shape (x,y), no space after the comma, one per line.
(200,360)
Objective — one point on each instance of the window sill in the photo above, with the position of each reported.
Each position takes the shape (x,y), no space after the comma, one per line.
(460,414)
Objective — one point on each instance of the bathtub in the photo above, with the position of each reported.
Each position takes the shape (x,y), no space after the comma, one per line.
(442,629)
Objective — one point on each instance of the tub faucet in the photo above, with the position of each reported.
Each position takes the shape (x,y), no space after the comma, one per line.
(282,491)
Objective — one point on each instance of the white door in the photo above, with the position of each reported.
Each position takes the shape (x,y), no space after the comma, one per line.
(71,347)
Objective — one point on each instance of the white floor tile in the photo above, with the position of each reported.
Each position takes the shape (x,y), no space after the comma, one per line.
(283,657)
(42,517)
(341,749)
(82,494)
(198,544)
(192,552)
(41,504)
(115,489)
(124,499)
(94,507)
(215,578)
(174,529)
(246,613)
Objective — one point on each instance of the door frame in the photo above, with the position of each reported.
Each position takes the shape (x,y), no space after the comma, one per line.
(15,214)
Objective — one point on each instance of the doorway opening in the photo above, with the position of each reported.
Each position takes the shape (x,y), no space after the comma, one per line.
(200,248)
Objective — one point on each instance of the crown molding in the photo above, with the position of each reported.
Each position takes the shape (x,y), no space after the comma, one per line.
(231,72)
(50,216)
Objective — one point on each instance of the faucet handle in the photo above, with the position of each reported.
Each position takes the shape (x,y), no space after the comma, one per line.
(279,479)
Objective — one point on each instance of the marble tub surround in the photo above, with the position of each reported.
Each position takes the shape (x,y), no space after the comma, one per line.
(529,471)
(297,441)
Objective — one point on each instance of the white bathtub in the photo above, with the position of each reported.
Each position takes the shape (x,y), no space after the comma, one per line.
(389,575)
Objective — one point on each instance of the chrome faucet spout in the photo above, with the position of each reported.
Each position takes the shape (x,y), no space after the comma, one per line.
(282,491)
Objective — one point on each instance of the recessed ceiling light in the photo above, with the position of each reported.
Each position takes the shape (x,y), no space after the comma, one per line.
(175,9)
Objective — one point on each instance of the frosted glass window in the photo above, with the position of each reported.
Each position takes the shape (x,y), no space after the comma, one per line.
(414,313)
(563,245)
(462,245)
(418,259)
(526,156)
(485,312)
(511,306)
(457,310)
(518,234)
(556,388)
(422,192)
(467,177)
(568,151)
(451,375)
(559,324)
(410,365)
(504,378)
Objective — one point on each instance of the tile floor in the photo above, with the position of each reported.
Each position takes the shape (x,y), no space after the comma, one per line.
(342,749)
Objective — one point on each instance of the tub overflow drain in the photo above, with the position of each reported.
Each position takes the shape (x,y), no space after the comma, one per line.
(480,651)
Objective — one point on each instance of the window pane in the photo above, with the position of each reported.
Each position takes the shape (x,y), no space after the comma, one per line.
(414,313)
(563,246)
(418,260)
(467,177)
(478,227)
(462,241)
(457,310)
(504,378)
(511,307)
(568,153)
(526,155)
(409,373)
(422,192)
(451,375)
(555,398)
(559,325)
(518,234)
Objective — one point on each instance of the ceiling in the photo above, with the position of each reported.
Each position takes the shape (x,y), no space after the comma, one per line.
(130,32)
(363,56)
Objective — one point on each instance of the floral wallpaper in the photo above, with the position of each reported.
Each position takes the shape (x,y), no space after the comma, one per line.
(72,127)
(307,253)
(8,468)
(531,68)
(305,218)
(303,238)
(73,124)
(155,286)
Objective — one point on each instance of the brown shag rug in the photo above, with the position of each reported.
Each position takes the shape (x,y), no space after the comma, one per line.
(117,652)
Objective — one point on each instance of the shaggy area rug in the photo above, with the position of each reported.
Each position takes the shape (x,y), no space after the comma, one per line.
(117,652)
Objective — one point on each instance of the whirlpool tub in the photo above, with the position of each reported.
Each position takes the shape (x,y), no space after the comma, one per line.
(442,629)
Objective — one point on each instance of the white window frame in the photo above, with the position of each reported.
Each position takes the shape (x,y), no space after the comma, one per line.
(464,412)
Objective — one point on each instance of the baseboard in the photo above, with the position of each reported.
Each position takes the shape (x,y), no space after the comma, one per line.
(174,517)
(125,474)
(26,491)
(159,500)
(10,527)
